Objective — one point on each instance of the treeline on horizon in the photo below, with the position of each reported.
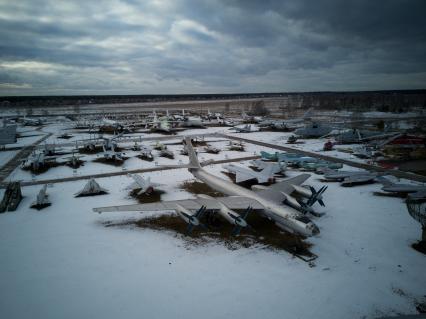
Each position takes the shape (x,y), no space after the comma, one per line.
(390,100)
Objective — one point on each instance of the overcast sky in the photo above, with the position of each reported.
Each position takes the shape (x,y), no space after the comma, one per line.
(206,46)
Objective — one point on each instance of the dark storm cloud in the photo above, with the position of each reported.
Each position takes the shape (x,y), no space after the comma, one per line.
(185,46)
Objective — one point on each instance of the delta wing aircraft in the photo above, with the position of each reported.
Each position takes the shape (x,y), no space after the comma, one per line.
(266,201)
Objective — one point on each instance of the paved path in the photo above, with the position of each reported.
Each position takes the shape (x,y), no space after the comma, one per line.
(125,172)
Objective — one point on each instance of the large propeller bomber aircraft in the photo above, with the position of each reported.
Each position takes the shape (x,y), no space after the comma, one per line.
(267,201)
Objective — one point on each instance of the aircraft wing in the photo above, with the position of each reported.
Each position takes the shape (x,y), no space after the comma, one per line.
(276,191)
(232,202)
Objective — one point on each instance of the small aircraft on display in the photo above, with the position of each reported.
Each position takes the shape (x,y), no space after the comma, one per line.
(243,174)
(145,186)
(42,200)
(277,168)
(349,178)
(414,191)
(112,154)
(243,129)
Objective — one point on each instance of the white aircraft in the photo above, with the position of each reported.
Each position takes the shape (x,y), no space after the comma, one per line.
(112,154)
(236,146)
(276,168)
(243,174)
(145,185)
(243,129)
(267,201)
(42,199)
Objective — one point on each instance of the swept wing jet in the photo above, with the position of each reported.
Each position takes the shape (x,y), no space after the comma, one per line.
(266,201)
(350,178)
(145,185)
(414,191)
(243,174)
(277,168)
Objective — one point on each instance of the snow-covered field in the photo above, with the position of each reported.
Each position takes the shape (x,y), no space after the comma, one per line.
(62,262)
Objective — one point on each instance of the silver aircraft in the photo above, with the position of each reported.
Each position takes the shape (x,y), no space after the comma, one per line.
(145,185)
(414,191)
(266,200)
(349,178)
(242,174)
(277,168)
(243,129)
(41,199)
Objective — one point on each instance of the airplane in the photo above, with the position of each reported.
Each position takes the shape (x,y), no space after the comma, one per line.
(112,154)
(145,185)
(313,130)
(250,118)
(311,166)
(266,200)
(36,160)
(191,121)
(245,129)
(236,146)
(349,178)
(42,200)
(351,136)
(290,158)
(74,160)
(243,174)
(162,125)
(163,150)
(286,124)
(146,153)
(269,156)
(90,189)
(111,141)
(277,168)
(414,191)
(211,149)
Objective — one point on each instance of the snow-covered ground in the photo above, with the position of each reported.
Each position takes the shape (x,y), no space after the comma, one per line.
(62,262)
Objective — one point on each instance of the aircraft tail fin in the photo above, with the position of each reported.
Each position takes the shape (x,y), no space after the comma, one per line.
(193,160)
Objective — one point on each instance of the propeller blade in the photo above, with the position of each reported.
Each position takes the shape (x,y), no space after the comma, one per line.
(189,229)
(248,210)
(236,231)
(321,202)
